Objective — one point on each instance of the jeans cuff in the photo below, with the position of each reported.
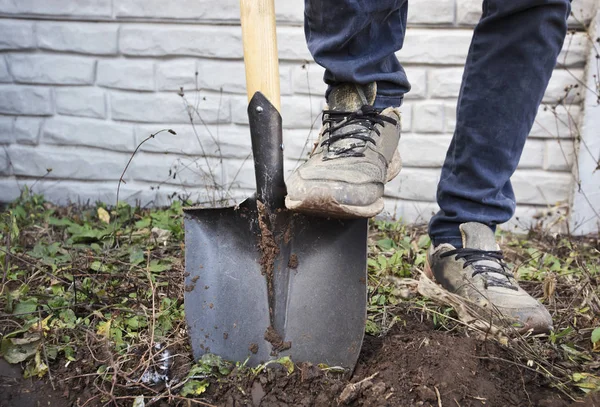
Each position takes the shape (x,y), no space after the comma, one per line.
(385,101)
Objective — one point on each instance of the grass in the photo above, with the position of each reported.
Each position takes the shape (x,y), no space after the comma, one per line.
(93,297)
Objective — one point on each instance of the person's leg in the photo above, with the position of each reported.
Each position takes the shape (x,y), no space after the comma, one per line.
(512,55)
(355,41)
(356,154)
(513,52)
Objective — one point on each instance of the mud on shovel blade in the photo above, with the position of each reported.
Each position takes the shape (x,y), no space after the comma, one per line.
(262,282)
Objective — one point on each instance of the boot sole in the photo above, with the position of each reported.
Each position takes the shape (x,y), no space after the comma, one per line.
(324,206)
(329,207)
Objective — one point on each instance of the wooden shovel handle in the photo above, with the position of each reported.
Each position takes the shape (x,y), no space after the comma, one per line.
(260,49)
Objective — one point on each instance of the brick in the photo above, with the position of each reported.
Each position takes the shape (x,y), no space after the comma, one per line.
(301,112)
(418,213)
(180,10)
(27,130)
(5,75)
(228,10)
(240,174)
(172,40)
(25,100)
(213,140)
(431,12)
(173,75)
(533,154)
(574,50)
(417,184)
(129,74)
(296,111)
(468,12)
(289,11)
(167,107)
(582,12)
(298,143)
(559,155)
(539,187)
(52,69)
(285,80)
(559,122)
(80,193)
(445,82)
(174,169)
(423,151)
(551,220)
(16,34)
(10,189)
(230,76)
(406,112)
(291,44)
(565,86)
(409,212)
(84,38)
(85,102)
(450,117)
(4,162)
(308,79)
(443,47)
(72,131)
(71,163)
(7,135)
(428,117)
(85,8)
(418,82)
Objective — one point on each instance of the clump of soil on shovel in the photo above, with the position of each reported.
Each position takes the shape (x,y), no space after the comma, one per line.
(413,365)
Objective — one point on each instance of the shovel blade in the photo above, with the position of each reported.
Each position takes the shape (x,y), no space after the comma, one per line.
(318,298)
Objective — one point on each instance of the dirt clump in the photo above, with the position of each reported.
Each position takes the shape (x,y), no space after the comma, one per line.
(273,337)
(293,261)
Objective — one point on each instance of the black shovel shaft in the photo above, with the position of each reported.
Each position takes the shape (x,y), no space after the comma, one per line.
(267,148)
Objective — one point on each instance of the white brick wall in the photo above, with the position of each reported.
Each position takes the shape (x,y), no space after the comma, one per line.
(83,83)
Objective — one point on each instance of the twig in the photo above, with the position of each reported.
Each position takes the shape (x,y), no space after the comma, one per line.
(439,398)
(133,155)
(45,353)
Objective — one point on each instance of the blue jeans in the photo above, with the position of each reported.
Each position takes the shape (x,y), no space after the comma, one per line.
(513,52)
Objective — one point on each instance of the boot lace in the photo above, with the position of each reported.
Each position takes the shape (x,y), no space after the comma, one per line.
(366,117)
(472,256)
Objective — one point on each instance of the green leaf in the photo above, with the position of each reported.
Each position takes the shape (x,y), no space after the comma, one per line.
(386,244)
(194,388)
(60,222)
(35,367)
(596,335)
(27,306)
(156,266)
(286,362)
(17,350)
(136,256)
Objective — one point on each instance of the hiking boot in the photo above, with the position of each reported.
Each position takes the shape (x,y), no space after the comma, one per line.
(355,156)
(477,272)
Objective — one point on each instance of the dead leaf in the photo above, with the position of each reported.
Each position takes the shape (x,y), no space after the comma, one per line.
(103,215)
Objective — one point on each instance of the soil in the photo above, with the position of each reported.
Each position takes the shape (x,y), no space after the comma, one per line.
(18,392)
(293,262)
(413,365)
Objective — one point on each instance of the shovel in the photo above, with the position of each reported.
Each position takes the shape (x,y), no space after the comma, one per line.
(263,282)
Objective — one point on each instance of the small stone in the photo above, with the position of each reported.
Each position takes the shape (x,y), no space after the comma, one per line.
(424,393)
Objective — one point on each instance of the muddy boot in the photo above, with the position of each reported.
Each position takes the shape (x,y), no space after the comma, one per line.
(355,156)
(478,273)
